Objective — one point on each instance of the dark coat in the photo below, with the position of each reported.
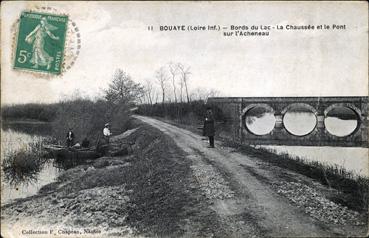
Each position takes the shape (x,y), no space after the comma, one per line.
(209,129)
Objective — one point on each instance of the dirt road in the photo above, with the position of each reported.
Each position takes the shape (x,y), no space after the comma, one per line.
(246,205)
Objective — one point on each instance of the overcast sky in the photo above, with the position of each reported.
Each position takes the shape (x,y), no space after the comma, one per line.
(287,63)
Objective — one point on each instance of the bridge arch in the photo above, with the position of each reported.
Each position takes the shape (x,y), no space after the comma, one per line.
(294,131)
(257,105)
(308,106)
(348,105)
(353,108)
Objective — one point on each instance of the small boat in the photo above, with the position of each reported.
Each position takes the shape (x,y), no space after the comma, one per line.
(63,152)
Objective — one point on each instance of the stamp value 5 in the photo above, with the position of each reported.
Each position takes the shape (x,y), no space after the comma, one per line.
(40,42)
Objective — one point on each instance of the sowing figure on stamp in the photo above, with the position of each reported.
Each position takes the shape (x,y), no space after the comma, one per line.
(37,37)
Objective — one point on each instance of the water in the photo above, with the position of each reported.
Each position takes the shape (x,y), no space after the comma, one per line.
(12,140)
(352,159)
(301,123)
(30,128)
(341,121)
(340,127)
(260,121)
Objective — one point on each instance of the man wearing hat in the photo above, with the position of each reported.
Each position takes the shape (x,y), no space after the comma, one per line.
(106,132)
(209,129)
(70,138)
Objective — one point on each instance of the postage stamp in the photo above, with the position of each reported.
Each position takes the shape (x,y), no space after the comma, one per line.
(41,42)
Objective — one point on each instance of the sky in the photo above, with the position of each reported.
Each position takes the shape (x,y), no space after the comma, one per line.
(286,63)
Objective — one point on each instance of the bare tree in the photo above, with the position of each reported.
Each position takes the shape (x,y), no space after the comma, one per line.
(212,93)
(162,78)
(149,91)
(156,97)
(173,69)
(123,90)
(184,77)
(203,94)
(181,85)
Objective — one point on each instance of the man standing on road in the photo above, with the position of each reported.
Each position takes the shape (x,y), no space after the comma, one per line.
(209,129)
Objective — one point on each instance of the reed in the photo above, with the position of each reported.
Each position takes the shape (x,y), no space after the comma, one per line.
(24,164)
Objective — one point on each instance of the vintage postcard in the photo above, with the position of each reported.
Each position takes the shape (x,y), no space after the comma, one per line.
(184,119)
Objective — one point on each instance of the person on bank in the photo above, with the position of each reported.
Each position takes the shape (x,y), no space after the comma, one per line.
(70,138)
(85,143)
(209,129)
(106,132)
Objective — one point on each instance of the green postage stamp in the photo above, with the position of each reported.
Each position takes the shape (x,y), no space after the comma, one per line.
(40,42)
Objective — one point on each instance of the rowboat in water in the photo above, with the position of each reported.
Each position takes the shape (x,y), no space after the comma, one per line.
(63,152)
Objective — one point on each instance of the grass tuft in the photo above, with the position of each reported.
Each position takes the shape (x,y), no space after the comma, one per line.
(24,164)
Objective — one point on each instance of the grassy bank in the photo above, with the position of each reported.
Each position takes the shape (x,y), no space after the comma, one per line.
(151,190)
(353,188)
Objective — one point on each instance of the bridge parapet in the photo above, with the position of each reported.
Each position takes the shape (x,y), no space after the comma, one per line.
(288,117)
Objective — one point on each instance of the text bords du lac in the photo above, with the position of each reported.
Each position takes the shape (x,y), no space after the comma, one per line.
(249,27)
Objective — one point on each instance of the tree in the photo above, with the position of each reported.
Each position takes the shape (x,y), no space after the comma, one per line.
(149,91)
(162,78)
(173,69)
(120,96)
(204,93)
(184,77)
(181,86)
(123,90)
(156,97)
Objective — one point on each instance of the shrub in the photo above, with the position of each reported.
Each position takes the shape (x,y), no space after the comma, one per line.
(87,119)
(40,112)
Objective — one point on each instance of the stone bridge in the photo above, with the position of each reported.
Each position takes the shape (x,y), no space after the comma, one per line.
(305,121)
